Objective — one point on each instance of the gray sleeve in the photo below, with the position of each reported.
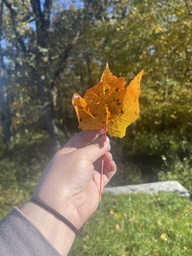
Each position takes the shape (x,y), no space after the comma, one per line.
(18,236)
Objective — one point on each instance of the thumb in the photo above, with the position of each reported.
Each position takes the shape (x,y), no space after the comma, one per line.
(94,151)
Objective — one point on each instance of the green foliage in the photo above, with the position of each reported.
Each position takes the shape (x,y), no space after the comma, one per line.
(47,62)
(180,170)
(157,37)
(138,225)
(12,191)
(128,173)
(21,168)
(70,52)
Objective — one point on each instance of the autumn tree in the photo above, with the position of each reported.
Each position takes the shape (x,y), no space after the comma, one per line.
(39,37)
(155,36)
(56,49)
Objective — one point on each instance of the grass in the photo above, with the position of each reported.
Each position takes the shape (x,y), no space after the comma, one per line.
(126,225)
(138,224)
(20,170)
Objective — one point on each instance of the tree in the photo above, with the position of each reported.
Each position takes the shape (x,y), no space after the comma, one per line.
(41,39)
(4,96)
(5,109)
(155,36)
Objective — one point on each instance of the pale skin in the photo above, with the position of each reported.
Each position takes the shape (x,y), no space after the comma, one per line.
(70,185)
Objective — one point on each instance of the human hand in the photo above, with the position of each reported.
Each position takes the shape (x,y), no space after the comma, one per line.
(71,181)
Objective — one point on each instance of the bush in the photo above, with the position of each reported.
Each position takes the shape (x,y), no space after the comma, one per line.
(149,157)
(180,170)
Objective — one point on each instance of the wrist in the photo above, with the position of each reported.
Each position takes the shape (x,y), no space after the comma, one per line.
(56,214)
(55,231)
(62,203)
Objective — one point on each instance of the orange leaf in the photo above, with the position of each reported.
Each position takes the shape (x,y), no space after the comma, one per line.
(109,104)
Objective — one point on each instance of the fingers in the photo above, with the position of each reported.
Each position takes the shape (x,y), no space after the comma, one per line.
(82,139)
(94,151)
(110,169)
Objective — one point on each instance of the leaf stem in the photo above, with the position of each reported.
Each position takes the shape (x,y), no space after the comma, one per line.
(102,167)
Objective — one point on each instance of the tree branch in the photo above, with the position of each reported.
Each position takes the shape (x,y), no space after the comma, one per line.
(42,19)
(62,64)
(187,6)
(1,34)
(36,6)
(13,20)
(47,10)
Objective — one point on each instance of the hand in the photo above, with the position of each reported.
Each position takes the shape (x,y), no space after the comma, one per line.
(70,185)
(71,181)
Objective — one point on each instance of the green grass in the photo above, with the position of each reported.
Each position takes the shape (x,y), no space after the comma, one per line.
(138,224)
(132,225)
(20,170)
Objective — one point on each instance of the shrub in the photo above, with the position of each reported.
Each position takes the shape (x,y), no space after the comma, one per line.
(180,170)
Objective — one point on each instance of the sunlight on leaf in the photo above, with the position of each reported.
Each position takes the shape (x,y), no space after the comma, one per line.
(109,104)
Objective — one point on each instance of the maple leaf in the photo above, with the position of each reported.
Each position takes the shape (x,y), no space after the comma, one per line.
(109,104)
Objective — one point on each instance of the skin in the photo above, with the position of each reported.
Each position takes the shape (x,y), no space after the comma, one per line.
(70,185)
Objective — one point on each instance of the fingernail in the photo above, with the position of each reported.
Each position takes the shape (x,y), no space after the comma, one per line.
(106,141)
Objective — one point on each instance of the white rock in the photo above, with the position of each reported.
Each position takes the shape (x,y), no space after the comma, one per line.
(150,188)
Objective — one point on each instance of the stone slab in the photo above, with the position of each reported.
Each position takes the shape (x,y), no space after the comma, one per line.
(150,188)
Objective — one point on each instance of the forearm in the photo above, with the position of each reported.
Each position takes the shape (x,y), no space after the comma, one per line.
(19,236)
(69,186)
(60,236)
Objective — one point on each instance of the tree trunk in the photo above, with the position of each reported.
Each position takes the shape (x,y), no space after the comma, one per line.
(5,109)
(45,98)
